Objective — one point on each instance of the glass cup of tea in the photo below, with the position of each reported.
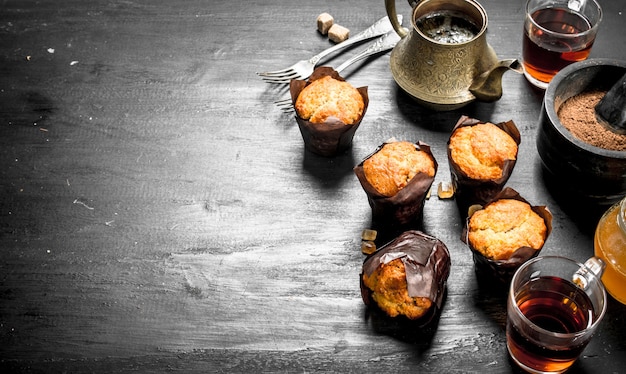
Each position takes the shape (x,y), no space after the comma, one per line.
(554,307)
(556,34)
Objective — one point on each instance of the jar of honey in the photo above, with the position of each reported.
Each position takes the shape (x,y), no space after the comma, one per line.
(610,246)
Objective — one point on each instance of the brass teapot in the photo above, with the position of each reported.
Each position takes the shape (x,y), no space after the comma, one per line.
(445,62)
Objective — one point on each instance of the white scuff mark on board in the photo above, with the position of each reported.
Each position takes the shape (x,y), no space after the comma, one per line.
(77,201)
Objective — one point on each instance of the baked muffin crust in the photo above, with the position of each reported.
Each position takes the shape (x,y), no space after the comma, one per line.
(391,168)
(389,290)
(481,150)
(504,226)
(329,97)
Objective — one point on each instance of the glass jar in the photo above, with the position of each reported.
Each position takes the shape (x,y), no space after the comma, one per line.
(610,246)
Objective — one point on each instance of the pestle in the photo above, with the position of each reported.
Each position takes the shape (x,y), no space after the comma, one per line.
(611,110)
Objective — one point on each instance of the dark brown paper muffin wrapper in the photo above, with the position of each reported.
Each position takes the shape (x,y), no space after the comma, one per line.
(404,209)
(470,191)
(333,136)
(502,271)
(427,273)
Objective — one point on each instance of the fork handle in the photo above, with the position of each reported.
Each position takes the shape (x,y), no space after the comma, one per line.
(380,27)
(384,43)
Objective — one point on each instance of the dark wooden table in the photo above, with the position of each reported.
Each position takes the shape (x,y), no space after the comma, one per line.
(159,214)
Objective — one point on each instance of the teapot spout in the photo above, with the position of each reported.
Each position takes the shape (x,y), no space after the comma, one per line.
(488,85)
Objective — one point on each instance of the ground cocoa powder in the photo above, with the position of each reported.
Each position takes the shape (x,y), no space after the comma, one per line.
(577,114)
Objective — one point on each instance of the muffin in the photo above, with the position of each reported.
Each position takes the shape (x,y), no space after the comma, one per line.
(504,226)
(391,168)
(407,277)
(328,110)
(505,233)
(329,97)
(481,156)
(396,178)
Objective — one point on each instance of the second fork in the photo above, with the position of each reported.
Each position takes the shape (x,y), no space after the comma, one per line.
(303,69)
(382,44)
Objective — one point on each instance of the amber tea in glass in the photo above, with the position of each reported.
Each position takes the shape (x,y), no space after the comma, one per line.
(554,307)
(556,34)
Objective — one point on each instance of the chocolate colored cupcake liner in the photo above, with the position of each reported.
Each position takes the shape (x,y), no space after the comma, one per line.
(401,328)
(333,136)
(501,271)
(404,209)
(469,191)
(427,265)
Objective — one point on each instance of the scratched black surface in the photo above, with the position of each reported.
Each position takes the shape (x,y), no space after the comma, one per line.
(159,214)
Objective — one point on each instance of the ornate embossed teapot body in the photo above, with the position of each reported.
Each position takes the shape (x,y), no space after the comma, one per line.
(446,73)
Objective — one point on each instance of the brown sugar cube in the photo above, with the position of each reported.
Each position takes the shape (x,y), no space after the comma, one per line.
(338,33)
(445,190)
(369,235)
(368,247)
(324,22)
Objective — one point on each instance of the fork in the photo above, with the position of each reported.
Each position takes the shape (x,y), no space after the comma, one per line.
(382,44)
(303,69)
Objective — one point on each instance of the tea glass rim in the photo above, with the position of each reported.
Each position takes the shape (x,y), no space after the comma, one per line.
(594,26)
(558,335)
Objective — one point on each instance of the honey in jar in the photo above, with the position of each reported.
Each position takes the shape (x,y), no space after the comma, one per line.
(610,246)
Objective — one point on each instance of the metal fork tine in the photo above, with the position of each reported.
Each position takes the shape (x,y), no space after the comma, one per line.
(280,80)
(283,102)
(288,75)
(285,105)
(275,72)
(273,80)
(279,76)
